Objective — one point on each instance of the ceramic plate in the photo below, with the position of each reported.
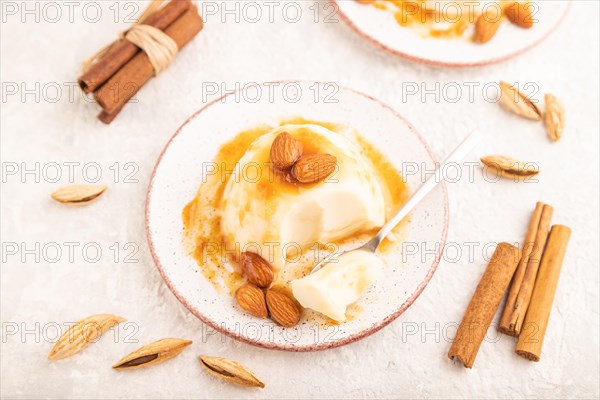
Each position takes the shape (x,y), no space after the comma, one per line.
(178,173)
(381,29)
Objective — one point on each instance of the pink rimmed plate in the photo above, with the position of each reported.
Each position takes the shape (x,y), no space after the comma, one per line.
(381,29)
(178,173)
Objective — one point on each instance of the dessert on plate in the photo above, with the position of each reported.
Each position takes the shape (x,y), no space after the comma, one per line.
(275,200)
(477,20)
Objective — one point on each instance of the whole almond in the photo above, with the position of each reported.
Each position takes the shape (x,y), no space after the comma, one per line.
(285,151)
(82,334)
(78,194)
(486,26)
(257,270)
(153,353)
(554,117)
(517,102)
(314,168)
(283,308)
(520,14)
(252,300)
(231,371)
(509,167)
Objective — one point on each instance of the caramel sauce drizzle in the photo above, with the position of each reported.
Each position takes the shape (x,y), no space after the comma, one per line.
(415,14)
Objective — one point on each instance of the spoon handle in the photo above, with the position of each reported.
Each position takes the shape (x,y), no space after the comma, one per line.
(430,183)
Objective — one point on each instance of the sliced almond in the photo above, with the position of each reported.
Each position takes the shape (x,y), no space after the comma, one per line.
(520,14)
(285,151)
(314,168)
(78,194)
(283,308)
(554,117)
(256,269)
(153,353)
(509,167)
(252,300)
(231,371)
(82,334)
(486,26)
(515,101)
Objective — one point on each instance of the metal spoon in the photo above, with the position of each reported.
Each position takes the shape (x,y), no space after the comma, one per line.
(430,183)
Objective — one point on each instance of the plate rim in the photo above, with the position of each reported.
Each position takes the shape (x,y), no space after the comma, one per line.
(292,348)
(434,63)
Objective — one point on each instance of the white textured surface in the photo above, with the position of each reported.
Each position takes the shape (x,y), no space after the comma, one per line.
(391,363)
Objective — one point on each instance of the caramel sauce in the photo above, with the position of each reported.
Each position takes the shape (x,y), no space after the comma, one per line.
(202,222)
(417,15)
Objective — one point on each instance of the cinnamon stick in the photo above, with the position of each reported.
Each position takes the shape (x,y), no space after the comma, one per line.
(532,334)
(484,303)
(122,51)
(509,307)
(515,322)
(108,118)
(123,85)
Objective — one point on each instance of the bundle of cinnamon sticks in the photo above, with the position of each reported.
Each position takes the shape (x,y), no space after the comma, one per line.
(117,75)
(534,272)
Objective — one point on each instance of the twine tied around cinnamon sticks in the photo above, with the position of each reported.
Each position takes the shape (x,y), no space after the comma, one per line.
(116,72)
(158,46)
